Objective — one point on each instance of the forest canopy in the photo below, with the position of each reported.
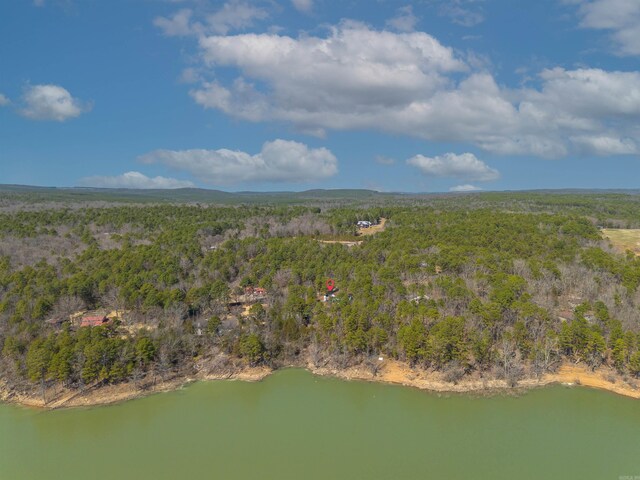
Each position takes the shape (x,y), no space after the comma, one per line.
(506,285)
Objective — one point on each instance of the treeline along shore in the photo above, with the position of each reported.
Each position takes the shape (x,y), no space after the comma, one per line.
(105,298)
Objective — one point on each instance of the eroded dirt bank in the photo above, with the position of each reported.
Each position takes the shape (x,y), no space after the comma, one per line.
(389,371)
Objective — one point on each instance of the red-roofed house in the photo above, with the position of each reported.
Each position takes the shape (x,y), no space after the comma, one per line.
(255,291)
(94,321)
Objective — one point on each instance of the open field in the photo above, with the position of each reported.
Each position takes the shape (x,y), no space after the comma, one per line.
(373,229)
(624,239)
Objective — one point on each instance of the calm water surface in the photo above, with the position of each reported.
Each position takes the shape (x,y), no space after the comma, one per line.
(297,426)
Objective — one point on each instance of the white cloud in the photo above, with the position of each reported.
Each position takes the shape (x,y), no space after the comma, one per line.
(465,188)
(604,145)
(51,102)
(465,166)
(4,100)
(575,105)
(586,93)
(357,78)
(233,15)
(621,17)
(179,24)
(278,161)
(304,6)
(134,180)
(342,81)
(404,21)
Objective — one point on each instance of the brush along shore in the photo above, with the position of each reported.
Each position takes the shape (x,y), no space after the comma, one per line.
(388,371)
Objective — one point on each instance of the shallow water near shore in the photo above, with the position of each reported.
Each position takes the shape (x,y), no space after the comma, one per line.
(295,425)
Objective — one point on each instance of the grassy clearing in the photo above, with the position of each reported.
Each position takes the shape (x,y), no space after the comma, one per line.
(373,229)
(624,239)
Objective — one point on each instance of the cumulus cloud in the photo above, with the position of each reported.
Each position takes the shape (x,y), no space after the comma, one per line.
(404,21)
(345,80)
(179,24)
(304,6)
(465,166)
(620,17)
(51,102)
(358,78)
(4,100)
(134,180)
(586,93)
(465,188)
(278,161)
(233,15)
(582,104)
(604,145)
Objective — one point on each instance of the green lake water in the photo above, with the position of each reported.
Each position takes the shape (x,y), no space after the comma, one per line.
(294,425)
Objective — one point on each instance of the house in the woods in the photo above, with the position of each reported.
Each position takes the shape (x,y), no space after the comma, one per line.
(94,320)
(249,296)
(255,292)
(419,298)
(76,317)
(328,296)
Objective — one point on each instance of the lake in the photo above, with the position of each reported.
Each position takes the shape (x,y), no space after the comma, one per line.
(294,425)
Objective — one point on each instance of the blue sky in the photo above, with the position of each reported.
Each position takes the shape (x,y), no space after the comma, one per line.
(293,94)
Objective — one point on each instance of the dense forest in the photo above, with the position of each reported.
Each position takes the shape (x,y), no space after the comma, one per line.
(505,285)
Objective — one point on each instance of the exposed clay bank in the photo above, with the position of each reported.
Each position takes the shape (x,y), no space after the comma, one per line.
(296,425)
(389,371)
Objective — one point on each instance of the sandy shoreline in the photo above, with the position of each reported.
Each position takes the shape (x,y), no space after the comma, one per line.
(398,373)
(390,372)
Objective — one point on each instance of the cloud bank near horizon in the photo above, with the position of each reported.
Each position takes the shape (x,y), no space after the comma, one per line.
(279,161)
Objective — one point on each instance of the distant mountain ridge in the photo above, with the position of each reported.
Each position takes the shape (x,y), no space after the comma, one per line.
(203,195)
(183,194)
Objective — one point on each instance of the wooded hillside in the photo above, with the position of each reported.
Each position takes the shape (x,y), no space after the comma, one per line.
(509,285)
